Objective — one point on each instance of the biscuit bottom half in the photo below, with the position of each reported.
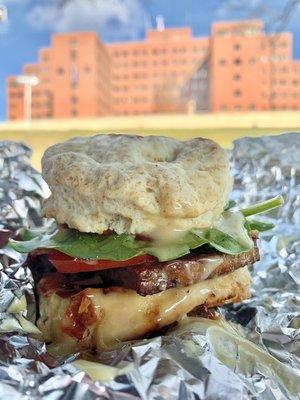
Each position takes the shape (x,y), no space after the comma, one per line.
(103,319)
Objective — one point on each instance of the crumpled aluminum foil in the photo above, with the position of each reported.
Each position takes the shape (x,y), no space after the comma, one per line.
(202,360)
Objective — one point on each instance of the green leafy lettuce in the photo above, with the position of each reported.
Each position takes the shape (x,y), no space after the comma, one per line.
(125,246)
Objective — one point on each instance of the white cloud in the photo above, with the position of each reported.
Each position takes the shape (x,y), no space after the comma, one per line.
(4,24)
(112,19)
(273,12)
(229,8)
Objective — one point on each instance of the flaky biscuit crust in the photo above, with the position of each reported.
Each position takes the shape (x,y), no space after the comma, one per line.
(135,184)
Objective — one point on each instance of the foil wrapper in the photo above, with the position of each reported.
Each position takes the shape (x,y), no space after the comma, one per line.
(252,352)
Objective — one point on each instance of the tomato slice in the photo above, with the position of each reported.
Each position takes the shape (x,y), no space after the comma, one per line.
(70,265)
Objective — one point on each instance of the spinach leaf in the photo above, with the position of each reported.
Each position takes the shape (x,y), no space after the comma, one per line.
(263,207)
(223,242)
(102,247)
(259,226)
(229,205)
(83,245)
(124,246)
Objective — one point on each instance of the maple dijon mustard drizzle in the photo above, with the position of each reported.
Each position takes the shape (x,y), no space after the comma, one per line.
(167,230)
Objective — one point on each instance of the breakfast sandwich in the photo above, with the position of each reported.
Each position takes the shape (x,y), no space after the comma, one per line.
(144,233)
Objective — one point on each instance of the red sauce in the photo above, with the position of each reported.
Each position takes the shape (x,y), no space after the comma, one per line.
(51,284)
(80,315)
(143,238)
(55,283)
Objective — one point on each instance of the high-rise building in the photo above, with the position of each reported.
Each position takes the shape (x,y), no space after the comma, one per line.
(246,67)
(74,75)
(238,68)
(147,75)
(246,70)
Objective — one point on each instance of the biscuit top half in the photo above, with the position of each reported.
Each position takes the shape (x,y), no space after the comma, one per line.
(134,184)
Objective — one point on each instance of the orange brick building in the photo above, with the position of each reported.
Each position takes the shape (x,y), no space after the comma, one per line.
(251,70)
(147,76)
(238,68)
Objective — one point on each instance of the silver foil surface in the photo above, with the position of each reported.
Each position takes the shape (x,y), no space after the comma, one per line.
(253,353)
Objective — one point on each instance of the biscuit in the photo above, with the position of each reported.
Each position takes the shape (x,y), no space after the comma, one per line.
(135,184)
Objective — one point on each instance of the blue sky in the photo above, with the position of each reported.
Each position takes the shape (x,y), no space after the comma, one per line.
(31,22)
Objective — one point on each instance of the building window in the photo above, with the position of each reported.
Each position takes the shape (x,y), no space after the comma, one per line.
(295,82)
(13,84)
(237,108)
(237,77)
(237,93)
(223,107)
(87,69)
(252,61)
(251,107)
(237,61)
(222,62)
(73,55)
(237,46)
(222,32)
(60,71)
(74,99)
(74,113)
(282,81)
(73,42)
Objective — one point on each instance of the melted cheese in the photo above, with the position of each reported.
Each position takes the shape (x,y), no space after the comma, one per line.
(125,315)
(232,223)
(209,265)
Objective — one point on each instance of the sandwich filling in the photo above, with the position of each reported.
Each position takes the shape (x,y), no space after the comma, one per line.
(101,302)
